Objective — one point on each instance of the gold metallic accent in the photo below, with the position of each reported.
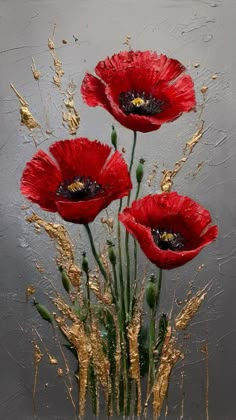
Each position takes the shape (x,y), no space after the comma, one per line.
(170,355)
(101,364)
(133,330)
(60,372)
(75,186)
(65,256)
(35,71)
(168,174)
(189,310)
(109,222)
(30,290)
(196,65)
(52,359)
(71,115)
(214,76)
(78,338)
(153,174)
(39,267)
(204,89)
(138,102)
(59,72)
(27,118)
(37,359)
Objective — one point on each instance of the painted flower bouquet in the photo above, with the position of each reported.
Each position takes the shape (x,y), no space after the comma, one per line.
(122,357)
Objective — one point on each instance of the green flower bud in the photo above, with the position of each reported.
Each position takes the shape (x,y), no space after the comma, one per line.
(114,137)
(65,279)
(85,266)
(140,170)
(151,292)
(43,311)
(112,254)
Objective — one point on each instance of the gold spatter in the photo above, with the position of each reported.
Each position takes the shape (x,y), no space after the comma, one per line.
(39,267)
(37,359)
(59,72)
(27,118)
(127,41)
(153,174)
(52,359)
(65,256)
(133,334)
(189,310)
(35,71)
(170,355)
(101,364)
(214,76)
(71,115)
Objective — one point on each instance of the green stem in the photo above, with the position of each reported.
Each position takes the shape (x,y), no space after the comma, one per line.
(135,242)
(101,266)
(158,290)
(128,285)
(115,282)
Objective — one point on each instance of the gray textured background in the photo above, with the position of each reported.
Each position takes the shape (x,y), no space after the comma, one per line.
(192,31)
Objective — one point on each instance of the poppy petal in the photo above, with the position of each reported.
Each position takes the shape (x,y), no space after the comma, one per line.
(93,92)
(40,180)
(80,157)
(115,176)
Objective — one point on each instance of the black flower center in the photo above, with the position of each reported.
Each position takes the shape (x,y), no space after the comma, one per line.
(79,189)
(167,239)
(140,103)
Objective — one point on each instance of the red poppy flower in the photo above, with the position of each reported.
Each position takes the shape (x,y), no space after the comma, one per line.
(171,229)
(81,181)
(141,89)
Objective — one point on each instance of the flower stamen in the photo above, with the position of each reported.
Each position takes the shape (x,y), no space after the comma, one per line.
(140,103)
(165,239)
(79,189)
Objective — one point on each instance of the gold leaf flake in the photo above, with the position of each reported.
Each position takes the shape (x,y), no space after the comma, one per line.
(204,89)
(170,355)
(64,245)
(109,222)
(27,118)
(214,76)
(189,310)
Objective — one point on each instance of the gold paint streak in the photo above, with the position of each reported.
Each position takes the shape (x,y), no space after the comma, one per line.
(169,174)
(133,334)
(170,355)
(65,256)
(189,310)
(35,71)
(71,116)
(101,364)
(59,72)
(183,396)
(153,174)
(37,359)
(27,118)
(199,167)
(205,350)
